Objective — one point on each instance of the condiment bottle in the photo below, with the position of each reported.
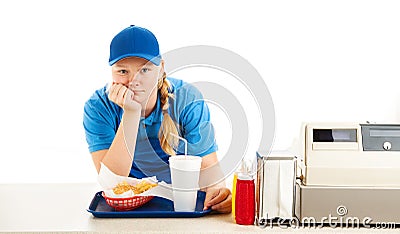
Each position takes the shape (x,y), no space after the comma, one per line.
(234,195)
(245,199)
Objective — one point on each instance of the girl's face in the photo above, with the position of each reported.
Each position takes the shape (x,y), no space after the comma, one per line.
(139,75)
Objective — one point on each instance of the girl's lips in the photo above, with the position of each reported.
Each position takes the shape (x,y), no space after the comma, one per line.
(133,90)
(108,85)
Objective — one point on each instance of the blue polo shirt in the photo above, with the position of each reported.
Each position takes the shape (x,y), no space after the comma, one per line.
(102,118)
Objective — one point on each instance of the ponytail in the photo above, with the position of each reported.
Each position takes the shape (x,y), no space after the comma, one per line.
(167,141)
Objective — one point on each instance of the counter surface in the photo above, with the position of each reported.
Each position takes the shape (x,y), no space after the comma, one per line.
(62,208)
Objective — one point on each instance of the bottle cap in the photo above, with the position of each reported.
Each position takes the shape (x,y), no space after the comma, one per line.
(244,176)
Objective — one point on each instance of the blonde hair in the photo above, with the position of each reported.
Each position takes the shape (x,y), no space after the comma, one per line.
(167,141)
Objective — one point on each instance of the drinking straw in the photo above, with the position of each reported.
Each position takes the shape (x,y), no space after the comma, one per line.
(182,139)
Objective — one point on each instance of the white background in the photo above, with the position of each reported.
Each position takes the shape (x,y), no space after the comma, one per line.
(321,60)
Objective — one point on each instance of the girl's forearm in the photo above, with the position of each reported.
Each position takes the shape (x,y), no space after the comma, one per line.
(121,152)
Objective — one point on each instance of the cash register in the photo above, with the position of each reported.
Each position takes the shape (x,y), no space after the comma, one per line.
(348,172)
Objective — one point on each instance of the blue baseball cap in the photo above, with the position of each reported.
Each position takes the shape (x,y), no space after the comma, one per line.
(134,41)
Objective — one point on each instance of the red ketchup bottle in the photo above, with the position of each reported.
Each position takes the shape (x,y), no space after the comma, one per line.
(245,200)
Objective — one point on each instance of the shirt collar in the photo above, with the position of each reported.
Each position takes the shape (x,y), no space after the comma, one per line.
(155,116)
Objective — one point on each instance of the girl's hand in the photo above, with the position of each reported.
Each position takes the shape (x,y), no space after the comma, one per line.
(219,199)
(123,97)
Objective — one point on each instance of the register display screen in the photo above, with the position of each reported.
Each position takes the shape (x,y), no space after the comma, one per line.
(384,133)
(335,135)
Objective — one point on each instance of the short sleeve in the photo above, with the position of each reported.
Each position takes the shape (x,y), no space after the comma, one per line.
(99,122)
(194,121)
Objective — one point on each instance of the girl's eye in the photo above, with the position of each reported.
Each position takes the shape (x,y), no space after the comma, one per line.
(144,70)
(123,72)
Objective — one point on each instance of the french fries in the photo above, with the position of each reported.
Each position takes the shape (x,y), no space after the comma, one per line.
(139,188)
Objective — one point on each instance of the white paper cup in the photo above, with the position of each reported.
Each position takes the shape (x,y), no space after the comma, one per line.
(185,171)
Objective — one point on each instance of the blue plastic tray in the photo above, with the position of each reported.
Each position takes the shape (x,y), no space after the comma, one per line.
(156,208)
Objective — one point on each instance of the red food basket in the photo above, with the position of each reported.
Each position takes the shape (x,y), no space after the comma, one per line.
(127,203)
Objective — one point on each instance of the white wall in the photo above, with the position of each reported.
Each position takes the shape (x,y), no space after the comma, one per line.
(322,61)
